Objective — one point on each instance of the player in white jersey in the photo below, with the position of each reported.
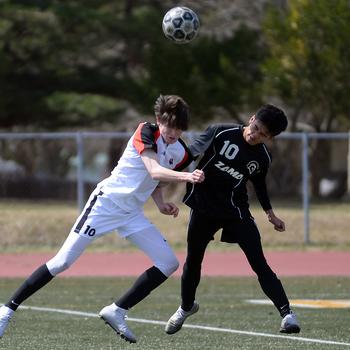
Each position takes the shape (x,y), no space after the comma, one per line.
(154,155)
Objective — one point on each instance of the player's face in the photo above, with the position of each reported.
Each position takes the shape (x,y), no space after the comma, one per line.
(170,135)
(256,132)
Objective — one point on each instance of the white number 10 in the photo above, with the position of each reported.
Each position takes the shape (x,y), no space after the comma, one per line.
(229,150)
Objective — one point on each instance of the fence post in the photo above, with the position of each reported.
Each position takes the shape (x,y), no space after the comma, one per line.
(305,191)
(80,170)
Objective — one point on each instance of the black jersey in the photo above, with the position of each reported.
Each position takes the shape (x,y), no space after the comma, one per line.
(228,163)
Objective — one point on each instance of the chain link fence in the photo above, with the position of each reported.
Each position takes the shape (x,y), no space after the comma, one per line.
(306,167)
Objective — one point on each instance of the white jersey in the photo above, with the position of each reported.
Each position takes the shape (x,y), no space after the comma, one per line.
(130,185)
(116,203)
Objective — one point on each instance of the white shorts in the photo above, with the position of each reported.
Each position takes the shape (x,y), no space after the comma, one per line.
(101,215)
(150,241)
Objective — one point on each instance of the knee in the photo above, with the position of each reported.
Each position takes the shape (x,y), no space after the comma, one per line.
(56,266)
(169,266)
(174,265)
(263,271)
(193,263)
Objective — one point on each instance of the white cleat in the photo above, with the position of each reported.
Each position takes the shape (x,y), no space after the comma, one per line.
(290,324)
(115,316)
(5,317)
(176,321)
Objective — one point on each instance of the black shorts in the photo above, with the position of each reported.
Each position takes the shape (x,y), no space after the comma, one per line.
(203,226)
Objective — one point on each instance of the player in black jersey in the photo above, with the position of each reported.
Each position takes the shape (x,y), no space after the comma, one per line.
(232,155)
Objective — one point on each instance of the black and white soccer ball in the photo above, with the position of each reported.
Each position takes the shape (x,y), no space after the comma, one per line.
(180,24)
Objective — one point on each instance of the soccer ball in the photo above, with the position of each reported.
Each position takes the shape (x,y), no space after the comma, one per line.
(180,24)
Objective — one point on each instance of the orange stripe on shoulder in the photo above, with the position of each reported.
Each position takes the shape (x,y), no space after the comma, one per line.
(137,141)
(156,135)
(184,160)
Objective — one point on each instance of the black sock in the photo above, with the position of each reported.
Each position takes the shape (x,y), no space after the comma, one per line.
(142,287)
(34,282)
(284,310)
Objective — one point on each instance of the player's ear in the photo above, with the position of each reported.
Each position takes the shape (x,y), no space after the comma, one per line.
(251,119)
(158,120)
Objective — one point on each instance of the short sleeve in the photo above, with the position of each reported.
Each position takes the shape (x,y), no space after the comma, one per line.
(145,137)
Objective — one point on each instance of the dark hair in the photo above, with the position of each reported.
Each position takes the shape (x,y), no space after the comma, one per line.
(273,118)
(172,111)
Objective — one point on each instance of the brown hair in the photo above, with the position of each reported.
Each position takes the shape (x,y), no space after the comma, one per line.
(172,111)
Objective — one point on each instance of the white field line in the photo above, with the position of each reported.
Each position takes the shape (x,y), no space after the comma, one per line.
(207,328)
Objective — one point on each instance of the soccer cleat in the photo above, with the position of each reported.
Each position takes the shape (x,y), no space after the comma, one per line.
(290,324)
(115,316)
(176,321)
(5,317)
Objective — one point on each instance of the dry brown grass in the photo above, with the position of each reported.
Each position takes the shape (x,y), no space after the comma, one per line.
(43,226)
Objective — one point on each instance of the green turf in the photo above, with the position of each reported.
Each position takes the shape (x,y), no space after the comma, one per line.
(221,305)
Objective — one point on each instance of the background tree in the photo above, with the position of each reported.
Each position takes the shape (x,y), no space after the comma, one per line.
(83,63)
(309,70)
(309,65)
(60,63)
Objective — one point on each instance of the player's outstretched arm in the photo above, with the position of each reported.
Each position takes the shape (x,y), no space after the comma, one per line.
(160,173)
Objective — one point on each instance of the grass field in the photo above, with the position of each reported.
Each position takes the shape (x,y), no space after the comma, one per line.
(42,226)
(231,322)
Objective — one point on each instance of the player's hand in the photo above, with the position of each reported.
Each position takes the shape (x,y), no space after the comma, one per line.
(277,223)
(197,176)
(169,209)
